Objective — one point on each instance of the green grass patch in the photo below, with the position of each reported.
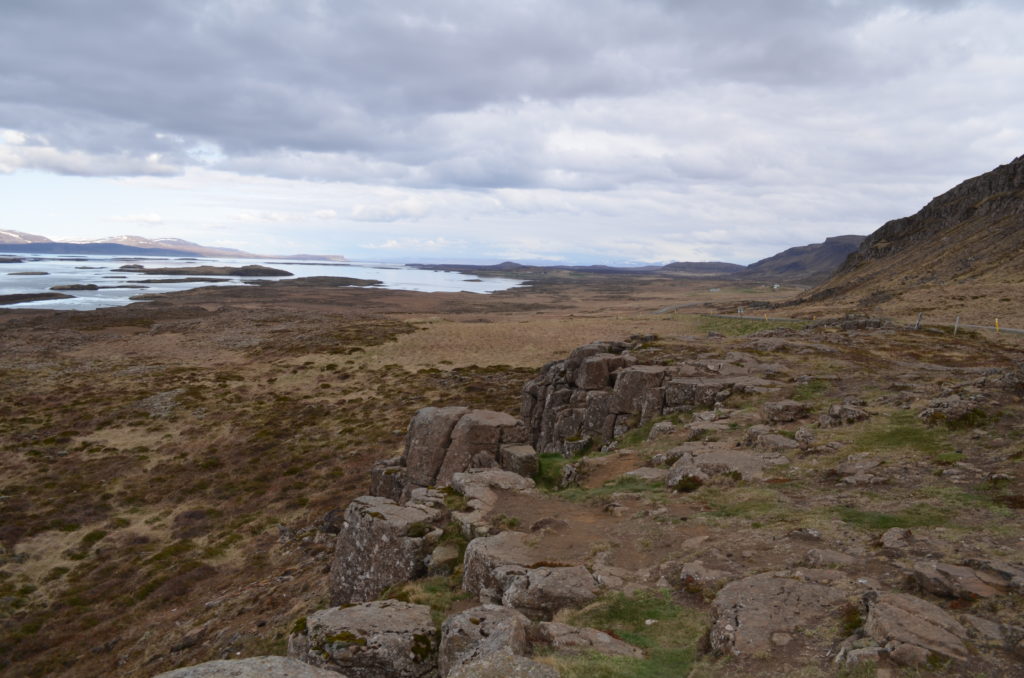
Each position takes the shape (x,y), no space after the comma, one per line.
(439,593)
(920,515)
(739,327)
(762,504)
(622,484)
(670,642)
(903,431)
(811,390)
(549,471)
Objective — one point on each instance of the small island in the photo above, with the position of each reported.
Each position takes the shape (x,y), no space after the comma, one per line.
(8,299)
(252,270)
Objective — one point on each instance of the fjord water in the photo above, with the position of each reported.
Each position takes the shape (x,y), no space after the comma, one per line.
(101,271)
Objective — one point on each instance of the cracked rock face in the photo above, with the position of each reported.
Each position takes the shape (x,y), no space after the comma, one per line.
(955,581)
(478,632)
(382,639)
(898,620)
(752,615)
(599,392)
(252,667)
(443,441)
(506,569)
(382,543)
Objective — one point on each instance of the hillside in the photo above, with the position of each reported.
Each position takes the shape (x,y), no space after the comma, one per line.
(808,264)
(961,254)
(176,244)
(11,237)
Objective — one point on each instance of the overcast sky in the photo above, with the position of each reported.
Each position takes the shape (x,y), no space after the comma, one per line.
(590,131)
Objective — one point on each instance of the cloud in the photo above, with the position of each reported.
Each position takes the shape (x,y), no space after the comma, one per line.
(652,128)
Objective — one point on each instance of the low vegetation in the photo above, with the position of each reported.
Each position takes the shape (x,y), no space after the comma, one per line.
(669,634)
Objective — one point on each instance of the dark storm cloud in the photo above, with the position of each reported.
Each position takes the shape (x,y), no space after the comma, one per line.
(386,85)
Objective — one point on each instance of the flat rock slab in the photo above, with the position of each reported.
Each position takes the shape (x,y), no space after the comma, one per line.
(897,619)
(252,667)
(701,464)
(648,474)
(479,487)
(751,614)
(955,581)
(576,639)
(382,639)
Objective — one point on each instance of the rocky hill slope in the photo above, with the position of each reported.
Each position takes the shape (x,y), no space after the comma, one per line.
(808,264)
(962,253)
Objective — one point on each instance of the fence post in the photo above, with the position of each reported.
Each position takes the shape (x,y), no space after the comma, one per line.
(956,326)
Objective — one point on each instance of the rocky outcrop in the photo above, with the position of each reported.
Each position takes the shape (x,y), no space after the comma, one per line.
(600,391)
(754,615)
(842,414)
(443,441)
(382,543)
(382,639)
(911,629)
(782,411)
(251,667)
(507,569)
(478,632)
(956,581)
(698,463)
(479,488)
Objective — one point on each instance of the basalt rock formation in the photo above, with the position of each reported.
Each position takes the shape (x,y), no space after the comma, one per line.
(965,245)
(601,391)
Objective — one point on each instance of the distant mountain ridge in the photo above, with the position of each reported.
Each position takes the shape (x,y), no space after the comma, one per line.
(128,245)
(807,263)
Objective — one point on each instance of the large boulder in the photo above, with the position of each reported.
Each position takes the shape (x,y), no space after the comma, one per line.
(478,632)
(782,411)
(754,615)
(427,442)
(896,620)
(476,441)
(443,441)
(509,569)
(251,667)
(540,592)
(380,639)
(382,543)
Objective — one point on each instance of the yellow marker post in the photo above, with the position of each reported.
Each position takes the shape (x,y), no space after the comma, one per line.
(997,325)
